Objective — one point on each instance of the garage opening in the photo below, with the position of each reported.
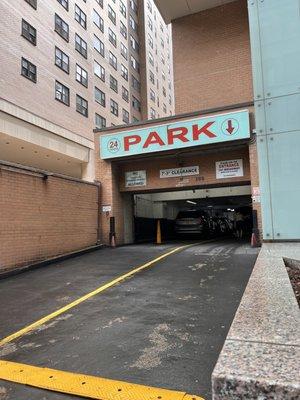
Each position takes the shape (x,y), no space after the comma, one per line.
(196,213)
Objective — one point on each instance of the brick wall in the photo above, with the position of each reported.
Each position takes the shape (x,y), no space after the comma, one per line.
(41,218)
(212,63)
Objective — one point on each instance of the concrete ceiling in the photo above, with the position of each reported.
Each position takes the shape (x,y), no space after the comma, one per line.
(173,9)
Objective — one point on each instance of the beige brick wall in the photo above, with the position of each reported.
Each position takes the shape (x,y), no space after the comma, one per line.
(40,218)
(212,64)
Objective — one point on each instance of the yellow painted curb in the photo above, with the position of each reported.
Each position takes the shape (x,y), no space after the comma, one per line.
(91,387)
(102,288)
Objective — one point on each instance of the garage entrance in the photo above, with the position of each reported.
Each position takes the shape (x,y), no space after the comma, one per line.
(205,165)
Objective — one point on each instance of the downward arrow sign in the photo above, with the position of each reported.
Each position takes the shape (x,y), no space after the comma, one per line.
(229,128)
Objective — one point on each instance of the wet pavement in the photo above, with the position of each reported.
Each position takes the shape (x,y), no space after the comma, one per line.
(163,327)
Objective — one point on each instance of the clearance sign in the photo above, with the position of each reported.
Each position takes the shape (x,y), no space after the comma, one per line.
(183,134)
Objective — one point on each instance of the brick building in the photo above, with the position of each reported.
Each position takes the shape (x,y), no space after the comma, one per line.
(212,77)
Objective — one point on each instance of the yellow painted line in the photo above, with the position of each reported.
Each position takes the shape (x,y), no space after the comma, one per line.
(102,288)
(91,387)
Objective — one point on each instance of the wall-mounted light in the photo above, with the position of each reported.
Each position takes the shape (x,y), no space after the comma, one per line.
(191,202)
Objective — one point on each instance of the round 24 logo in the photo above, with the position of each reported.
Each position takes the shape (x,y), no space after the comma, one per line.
(114,145)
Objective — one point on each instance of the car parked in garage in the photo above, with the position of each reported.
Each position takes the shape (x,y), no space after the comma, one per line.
(191,222)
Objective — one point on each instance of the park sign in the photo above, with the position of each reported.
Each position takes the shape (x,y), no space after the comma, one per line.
(178,135)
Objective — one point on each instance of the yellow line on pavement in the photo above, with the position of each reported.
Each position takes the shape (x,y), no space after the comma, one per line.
(102,288)
(91,387)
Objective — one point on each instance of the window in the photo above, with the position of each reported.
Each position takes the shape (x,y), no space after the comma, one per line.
(134,44)
(152,113)
(133,6)
(100,122)
(80,16)
(125,94)
(136,104)
(114,108)
(61,60)
(99,96)
(28,32)
(64,3)
(99,71)
(124,72)
(113,60)
(164,108)
(150,40)
(98,45)
(123,30)
(81,105)
(124,51)
(149,6)
(98,21)
(100,2)
(163,75)
(113,83)
(122,8)
(125,116)
(135,83)
(33,3)
(150,24)
(164,92)
(28,70)
(80,45)
(61,27)
(151,59)
(162,59)
(81,75)
(134,64)
(132,23)
(62,93)
(134,119)
(111,15)
(112,37)
(170,100)
(152,95)
(162,43)
(161,27)
(151,77)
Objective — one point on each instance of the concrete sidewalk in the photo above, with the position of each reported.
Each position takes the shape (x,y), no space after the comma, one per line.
(163,327)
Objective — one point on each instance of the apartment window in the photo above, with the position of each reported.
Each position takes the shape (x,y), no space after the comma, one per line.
(164,108)
(150,40)
(124,72)
(132,23)
(33,3)
(164,92)
(111,15)
(99,71)
(100,2)
(125,115)
(152,95)
(134,44)
(114,108)
(123,30)
(81,75)
(99,96)
(98,45)
(125,94)
(124,51)
(61,60)
(162,43)
(133,6)
(149,6)
(81,105)
(62,93)
(61,27)
(100,121)
(161,27)
(152,113)
(28,32)
(136,104)
(163,75)
(151,77)
(28,70)
(98,21)
(113,60)
(150,24)
(170,100)
(122,8)
(64,3)
(134,64)
(135,83)
(151,59)
(81,45)
(112,37)
(113,83)
(134,119)
(80,16)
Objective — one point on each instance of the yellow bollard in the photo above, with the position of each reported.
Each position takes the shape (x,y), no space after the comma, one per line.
(158,233)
